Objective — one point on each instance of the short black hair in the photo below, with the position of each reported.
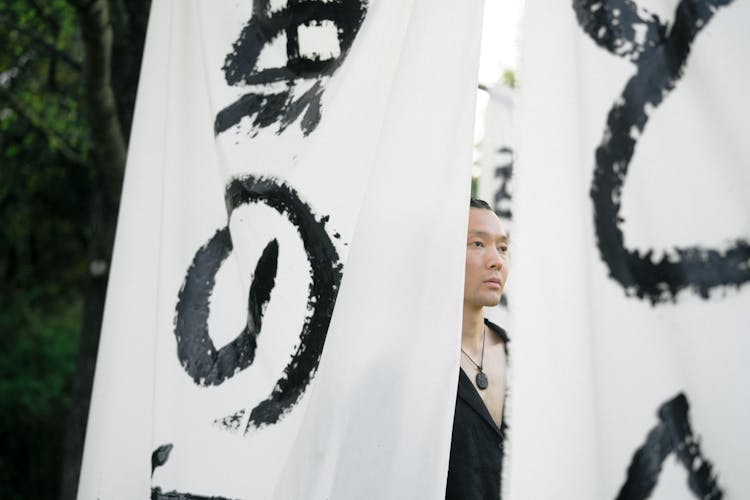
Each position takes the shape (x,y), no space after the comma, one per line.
(477,203)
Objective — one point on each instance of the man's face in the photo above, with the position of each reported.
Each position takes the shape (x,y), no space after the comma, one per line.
(486,259)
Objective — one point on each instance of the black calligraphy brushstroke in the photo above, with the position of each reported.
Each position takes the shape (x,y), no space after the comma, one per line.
(156,494)
(612,25)
(503,198)
(660,58)
(264,27)
(232,422)
(325,270)
(160,456)
(265,107)
(273,108)
(672,434)
(195,349)
(310,103)
(240,65)
(264,279)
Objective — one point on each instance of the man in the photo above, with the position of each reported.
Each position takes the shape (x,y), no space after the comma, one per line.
(475,467)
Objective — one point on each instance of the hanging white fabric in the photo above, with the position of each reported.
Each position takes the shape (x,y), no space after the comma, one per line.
(631,251)
(497,161)
(283,312)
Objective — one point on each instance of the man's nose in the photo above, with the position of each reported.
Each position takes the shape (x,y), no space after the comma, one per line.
(495,259)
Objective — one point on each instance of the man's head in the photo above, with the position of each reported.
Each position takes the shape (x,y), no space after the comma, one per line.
(486,257)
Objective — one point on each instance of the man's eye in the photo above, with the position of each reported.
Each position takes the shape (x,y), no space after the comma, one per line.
(477,243)
(503,249)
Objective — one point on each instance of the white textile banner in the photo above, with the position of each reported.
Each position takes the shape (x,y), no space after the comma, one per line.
(496,179)
(284,307)
(631,251)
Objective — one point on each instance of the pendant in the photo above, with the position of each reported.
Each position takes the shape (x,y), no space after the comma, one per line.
(481,380)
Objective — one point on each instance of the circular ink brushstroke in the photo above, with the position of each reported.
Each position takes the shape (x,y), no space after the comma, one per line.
(660,58)
(196,350)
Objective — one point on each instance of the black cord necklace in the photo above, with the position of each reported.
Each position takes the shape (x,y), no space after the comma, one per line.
(481,378)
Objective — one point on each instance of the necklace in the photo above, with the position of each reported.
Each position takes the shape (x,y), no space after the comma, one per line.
(481,378)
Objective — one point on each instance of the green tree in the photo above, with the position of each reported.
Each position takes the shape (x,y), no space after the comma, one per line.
(68,76)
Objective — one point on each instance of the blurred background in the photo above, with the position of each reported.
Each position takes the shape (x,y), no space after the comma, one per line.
(68,78)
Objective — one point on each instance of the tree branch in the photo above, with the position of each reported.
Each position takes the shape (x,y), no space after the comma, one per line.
(41,42)
(99,97)
(57,141)
(51,22)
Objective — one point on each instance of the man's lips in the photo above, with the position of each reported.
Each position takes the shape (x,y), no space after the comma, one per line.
(493,282)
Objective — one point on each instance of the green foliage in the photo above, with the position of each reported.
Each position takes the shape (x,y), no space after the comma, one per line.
(24,374)
(509,79)
(43,194)
(39,346)
(47,182)
(43,211)
(40,61)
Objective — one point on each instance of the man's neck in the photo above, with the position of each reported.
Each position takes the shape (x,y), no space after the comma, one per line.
(473,327)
